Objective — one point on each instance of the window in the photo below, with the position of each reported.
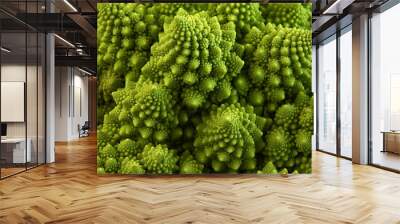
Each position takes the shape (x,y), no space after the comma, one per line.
(327,96)
(385,89)
(346,92)
(22,78)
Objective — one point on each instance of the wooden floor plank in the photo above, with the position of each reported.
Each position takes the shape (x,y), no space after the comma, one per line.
(69,191)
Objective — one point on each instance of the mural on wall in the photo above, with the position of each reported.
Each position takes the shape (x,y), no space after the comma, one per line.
(204,88)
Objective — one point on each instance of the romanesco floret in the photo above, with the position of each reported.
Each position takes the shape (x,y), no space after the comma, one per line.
(306,119)
(131,166)
(302,100)
(278,146)
(100,161)
(227,137)
(303,163)
(284,171)
(113,116)
(168,10)
(128,148)
(159,159)
(286,116)
(243,15)
(282,60)
(109,131)
(101,171)
(303,141)
(111,165)
(108,84)
(152,113)
(269,168)
(188,165)
(193,53)
(294,15)
(108,152)
(123,30)
(108,134)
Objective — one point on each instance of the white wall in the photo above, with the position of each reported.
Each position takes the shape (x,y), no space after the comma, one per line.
(71,102)
(10,73)
(13,72)
(33,127)
(62,81)
(16,73)
(81,108)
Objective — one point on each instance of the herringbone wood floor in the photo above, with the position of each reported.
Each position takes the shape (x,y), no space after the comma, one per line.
(69,191)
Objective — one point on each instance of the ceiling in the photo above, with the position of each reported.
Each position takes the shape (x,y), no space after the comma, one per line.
(19,54)
(40,5)
(74,21)
(331,15)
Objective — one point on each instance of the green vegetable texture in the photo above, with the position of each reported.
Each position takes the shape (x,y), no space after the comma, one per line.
(288,14)
(269,168)
(159,159)
(195,54)
(197,88)
(243,15)
(189,165)
(226,139)
(131,166)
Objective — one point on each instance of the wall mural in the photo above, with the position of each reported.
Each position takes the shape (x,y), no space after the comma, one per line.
(196,88)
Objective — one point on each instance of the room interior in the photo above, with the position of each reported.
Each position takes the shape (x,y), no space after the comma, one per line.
(22,101)
(27,109)
(334,63)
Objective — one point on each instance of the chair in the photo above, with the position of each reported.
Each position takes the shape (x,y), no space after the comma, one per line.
(84,130)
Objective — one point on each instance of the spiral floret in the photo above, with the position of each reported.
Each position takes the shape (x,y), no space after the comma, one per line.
(124,30)
(111,165)
(108,152)
(279,146)
(303,141)
(286,117)
(302,100)
(128,148)
(227,137)
(269,168)
(107,134)
(153,111)
(303,163)
(194,53)
(168,10)
(243,15)
(293,15)
(131,166)
(189,165)
(282,60)
(306,119)
(159,159)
